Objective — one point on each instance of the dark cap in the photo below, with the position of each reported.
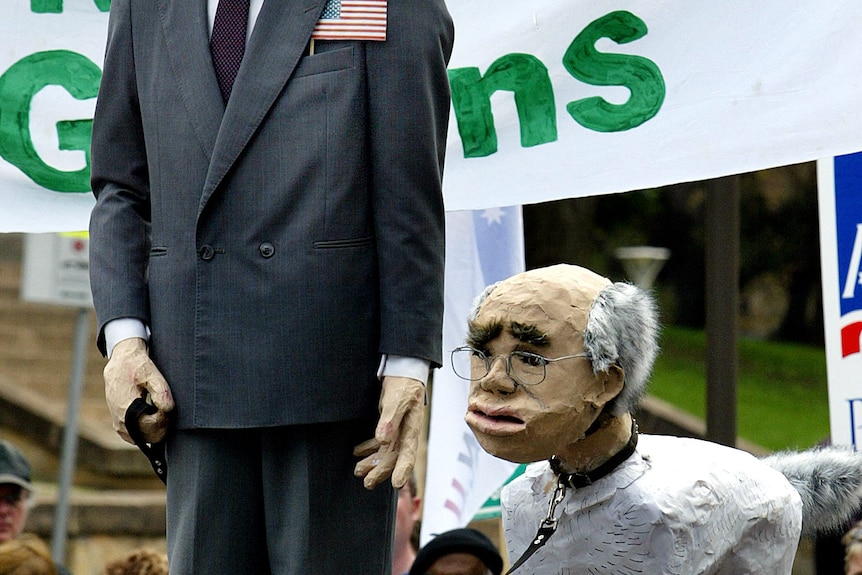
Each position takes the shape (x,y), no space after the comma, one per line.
(458,541)
(13,466)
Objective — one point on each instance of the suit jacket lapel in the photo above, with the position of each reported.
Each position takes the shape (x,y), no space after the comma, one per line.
(279,40)
(187,36)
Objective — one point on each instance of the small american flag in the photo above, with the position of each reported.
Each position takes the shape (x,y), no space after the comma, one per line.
(352,20)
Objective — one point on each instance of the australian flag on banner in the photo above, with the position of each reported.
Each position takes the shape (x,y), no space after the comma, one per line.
(482,247)
(352,20)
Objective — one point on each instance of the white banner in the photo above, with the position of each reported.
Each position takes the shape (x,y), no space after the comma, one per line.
(623,95)
(551,99)
(840,195)
(51,54)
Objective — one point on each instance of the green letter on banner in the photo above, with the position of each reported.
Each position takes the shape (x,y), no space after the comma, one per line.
(522,74)
(80,77)
(56,6)
(640,75)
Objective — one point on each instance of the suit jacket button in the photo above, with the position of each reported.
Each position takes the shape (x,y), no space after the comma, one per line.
(267,250)
(207,252)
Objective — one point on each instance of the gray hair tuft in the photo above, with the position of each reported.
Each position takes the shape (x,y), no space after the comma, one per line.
(829,481)
(622,330)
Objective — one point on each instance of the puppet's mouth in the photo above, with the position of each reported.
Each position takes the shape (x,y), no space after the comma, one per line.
(493,421)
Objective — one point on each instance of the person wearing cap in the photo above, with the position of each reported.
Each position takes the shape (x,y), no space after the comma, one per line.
(15,490)
(458,552)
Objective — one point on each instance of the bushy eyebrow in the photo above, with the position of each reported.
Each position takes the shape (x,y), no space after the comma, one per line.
(529,334)
(479,335)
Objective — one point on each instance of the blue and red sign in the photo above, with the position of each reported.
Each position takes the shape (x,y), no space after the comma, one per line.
(848,220)
(840,202)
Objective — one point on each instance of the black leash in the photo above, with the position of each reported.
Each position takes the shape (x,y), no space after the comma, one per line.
(546,528)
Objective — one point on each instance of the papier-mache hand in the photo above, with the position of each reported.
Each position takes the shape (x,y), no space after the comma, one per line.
(128,374)
(392,451)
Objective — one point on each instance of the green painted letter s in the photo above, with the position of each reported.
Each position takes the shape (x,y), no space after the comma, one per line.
(640,75)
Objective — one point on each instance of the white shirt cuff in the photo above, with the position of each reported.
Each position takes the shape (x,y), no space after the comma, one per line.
(402,366)
(122,328)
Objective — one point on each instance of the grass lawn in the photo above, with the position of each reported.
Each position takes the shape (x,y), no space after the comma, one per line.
(782,393)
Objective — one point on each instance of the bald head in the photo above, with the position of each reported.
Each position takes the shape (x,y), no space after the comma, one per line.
(617,323)
(560,293)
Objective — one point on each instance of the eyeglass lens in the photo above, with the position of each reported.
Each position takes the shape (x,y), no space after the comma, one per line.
(526,368)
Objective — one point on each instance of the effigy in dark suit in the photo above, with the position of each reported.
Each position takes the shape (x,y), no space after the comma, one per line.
(258,252)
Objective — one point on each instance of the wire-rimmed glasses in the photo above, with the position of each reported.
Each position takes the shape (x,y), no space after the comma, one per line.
(525,367)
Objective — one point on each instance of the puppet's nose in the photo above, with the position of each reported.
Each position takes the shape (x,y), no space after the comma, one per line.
(498,379)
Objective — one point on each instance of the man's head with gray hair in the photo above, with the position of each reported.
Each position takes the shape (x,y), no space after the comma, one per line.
(534,402)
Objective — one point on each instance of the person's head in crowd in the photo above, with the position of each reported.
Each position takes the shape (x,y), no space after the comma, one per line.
(139,562)
(852,541)
(458,552)
(15,490)
(26,555)
(407,514)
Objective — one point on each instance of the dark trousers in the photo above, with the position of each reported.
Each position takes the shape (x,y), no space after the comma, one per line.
(275,501)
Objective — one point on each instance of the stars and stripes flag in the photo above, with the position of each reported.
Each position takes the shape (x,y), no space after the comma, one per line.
(352,20)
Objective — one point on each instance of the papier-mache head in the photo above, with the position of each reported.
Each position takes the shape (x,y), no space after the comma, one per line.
(601,338)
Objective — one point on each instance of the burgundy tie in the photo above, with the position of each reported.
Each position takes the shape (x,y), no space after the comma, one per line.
(227,42)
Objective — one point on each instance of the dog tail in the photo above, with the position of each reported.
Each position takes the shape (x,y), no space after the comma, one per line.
(829,480)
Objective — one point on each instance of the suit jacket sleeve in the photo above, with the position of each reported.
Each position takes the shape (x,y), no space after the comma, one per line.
(409,114)
(119,237)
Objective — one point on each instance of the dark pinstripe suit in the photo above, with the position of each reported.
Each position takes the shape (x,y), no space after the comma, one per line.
(278,245)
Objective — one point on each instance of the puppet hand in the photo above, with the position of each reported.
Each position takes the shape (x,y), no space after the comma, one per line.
(392,451)
(128,374)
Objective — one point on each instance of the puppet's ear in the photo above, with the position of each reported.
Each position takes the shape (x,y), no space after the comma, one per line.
(609,385)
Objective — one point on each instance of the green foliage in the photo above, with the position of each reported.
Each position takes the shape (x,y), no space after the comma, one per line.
(782,398)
